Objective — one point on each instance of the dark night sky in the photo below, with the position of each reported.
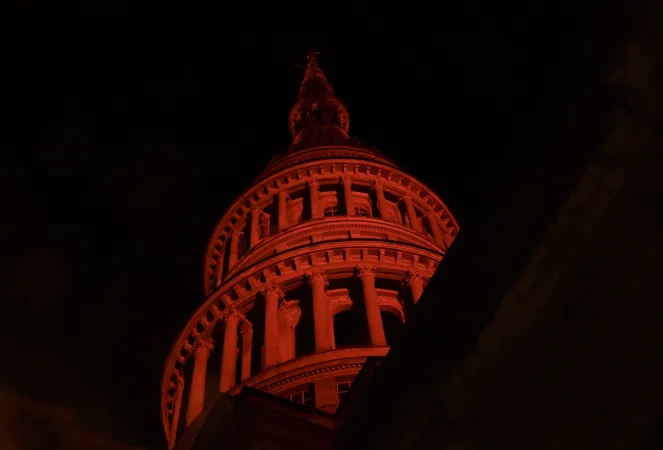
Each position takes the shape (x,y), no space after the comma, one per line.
(126,144)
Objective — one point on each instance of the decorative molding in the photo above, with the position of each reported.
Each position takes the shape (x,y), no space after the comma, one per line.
(310,373)
(338,303)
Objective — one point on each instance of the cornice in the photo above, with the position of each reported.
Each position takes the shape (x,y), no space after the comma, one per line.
(316,365)
(316,226)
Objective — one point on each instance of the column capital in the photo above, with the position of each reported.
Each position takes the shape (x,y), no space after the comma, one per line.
(410,276)
(317,274)
(406,196)
(313,182)
(204,344)
(291,312)
(378,183)
(272,289)
(245,328)
(365,271)
(231,313)
(346,178)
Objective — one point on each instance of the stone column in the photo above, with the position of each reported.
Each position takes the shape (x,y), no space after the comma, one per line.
(375,327)
(283,210)
(318,281)
(255,226)
(347,195)
(416,284)
(177,407)
(234,245)
(382,201)
(272,296)
(314,188)
(435,229)
(229,356)
(289,314)
(218,270)
(197,393)
(246,329)
(411,213)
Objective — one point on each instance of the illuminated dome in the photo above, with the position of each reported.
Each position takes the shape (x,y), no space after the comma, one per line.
(309,272)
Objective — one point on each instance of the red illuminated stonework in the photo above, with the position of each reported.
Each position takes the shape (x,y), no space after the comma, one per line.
(309,272)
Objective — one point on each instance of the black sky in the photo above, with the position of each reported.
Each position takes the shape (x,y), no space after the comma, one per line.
(127,142)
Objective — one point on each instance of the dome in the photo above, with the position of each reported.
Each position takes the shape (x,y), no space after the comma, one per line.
(310,272)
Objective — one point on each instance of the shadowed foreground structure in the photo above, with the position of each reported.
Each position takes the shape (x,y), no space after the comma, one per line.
(567,353)
(571,355)
(26,424)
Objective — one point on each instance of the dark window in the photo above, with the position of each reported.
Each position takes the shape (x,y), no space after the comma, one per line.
(304,397)
(330,211)
(343,388)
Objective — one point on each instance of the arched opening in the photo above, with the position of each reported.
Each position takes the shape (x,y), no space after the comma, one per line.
(256,316)
(350,329)
(392,326)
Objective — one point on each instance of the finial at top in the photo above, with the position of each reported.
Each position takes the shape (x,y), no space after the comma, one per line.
(315,84)
(312,57)
(318,118)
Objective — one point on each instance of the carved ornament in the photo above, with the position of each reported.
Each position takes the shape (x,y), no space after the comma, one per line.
(316,275)
(411,276)
(204,345)
(291,312)
(231,314)
(365,271)
(272,289)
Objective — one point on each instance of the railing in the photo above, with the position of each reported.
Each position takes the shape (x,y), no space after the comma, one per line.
(329,409)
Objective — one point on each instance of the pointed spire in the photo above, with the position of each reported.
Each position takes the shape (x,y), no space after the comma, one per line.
(318,118)
(314,84)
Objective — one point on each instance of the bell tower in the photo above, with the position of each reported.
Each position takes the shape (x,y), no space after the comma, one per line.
(308,273)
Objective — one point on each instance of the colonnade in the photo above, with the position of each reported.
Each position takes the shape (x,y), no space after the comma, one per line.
(281,318)
(317,213)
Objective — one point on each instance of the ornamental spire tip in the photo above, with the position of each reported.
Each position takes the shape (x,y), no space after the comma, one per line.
(318,117)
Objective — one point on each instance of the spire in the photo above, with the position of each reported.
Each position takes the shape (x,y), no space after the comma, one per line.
(318,118)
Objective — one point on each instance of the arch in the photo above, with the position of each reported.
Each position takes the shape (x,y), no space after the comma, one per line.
(396,311)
